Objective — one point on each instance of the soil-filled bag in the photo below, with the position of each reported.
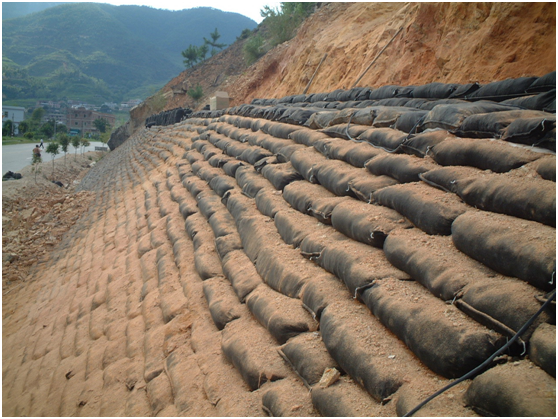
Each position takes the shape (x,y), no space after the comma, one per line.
(279,130)
(306,136)
(515,389)
(322,208)
(222,223)
(356,264)
(494,155)
(546,168)
(345,131)
(426,328)
(304,162)
(365,187)
(282,316)
(341,336)
(302,194)
(284,153)
(252,351)
(387,139)
(270,202)
(226,244)
(531,199)
(401,167)
(221,184)
(388,116)
(434,90)
(430,209)
(369,224)
(241,273)
(208,203)
(542,348)
(499,303)
(322,290)
(257,233)
(338,400)
(238,204)
(530,131)
(232,166)
(492,125)
(511,246)
(543,83)
(541,102)
(384,92)
(446,177)
(224,306)
(195,185)
(502,90)
(308,356)
(294,226)
(219,160)
(287,398)
(450,117)
(251,181)
(322,119)
(420,144)
(409,121)
(254,154)
(315,242)
(335,175)
(280,175)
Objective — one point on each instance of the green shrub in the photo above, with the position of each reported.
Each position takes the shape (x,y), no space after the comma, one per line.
(284,22)
(253,49)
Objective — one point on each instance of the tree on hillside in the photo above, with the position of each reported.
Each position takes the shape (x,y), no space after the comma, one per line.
(284,22)
(84,143)
(52,149)
(37,115)
(213,43)
(64,141)
(101,124)
(76,141)
(7,128)
(191,56)
(196,93)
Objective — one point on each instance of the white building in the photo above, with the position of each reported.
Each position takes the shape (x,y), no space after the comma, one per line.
(15,114)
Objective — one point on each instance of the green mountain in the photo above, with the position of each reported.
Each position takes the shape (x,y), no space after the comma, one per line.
(99,52)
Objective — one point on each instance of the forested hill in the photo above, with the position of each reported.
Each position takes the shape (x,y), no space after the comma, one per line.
(81,50)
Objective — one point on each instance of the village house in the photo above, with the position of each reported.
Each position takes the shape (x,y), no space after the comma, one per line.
(80,120)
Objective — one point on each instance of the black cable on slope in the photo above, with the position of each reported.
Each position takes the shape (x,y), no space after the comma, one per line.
(476,370)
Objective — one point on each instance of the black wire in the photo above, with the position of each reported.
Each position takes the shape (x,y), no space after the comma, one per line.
(476,370)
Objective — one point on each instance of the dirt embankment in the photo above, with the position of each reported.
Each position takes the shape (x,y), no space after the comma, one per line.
(444,42)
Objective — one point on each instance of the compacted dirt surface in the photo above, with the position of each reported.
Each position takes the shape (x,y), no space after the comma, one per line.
(303,257)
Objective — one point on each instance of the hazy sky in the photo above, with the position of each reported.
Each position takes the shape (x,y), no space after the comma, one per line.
(250,8)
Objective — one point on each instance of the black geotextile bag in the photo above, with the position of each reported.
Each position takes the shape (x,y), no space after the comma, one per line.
(322,208)
(431,210)
(383,92)
(297,116)
(451,116)
(542,348)
(387,139)
(301,195)
(543,83)
(208,203)
(254,154)
(315,242)
(226,244)
(493,155)
(530,131)
(274,144)
(286,398)
(280,175)
(345,131)
(546,168)
(306,136)
(282,316)
(322,119)
(420,144)
(221,184)
(251,181)
(335,175)
(241,273)
(252,351)
(366,223)
(230,167)
(333,148)
(401,167)
(503,90)
(386,116)
(284,153)
(493,124)
(356,264)
(308,356)
(294,226)
(514,389)
(434,90)
(222,301)
(501,304)
(542,102)
(238,205)
(270,202)
(531,199)
(409,121)
(427,331)
(512,246)
(279,130)
(359,361)
(338,400)
(304,161)
(365,187)
(222,223)
(360,153)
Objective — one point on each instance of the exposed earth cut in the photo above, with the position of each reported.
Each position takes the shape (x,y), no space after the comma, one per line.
(347,252)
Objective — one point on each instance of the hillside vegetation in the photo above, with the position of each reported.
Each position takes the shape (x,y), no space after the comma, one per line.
(98,52)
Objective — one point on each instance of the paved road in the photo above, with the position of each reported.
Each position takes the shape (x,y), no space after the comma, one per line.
(15,157)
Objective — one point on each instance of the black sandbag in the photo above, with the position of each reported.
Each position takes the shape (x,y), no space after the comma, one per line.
(222,223)
(293,226)
(238,204)
(365,187)
(322,208)
(301,194)
(431,210)
(226,244)
(546,168)
(223,303)
(270,202)
(221,184)
(502,90)
(409,121)
(446,177)
(309,357)
(394,101)
(315,242)
(322,290)
(219,160)
(306,136)
(241,273)
(282,316)
(516,389)
(208,203)
(530,131)
(251,350)
(384,138)
(359,361)
(434,90)
(492,125)
(251,181)
(322,119)
(401,167)
(387,116)
(464,90)
(257,233)
(333,148)
(540,102)
(420,144)
(493,155)
(335,175)
(287,398)
(280,175)
(512,246)
(531,199)
(284,153)
(542,348)
(187,208)
(383,92)
(451,116)
(366,223)
(356,264)
(345,131)
(543,83)
(424,327)
(232,166)
(304,161)
(195,185)
(254,154)
(279,130)
(360,153)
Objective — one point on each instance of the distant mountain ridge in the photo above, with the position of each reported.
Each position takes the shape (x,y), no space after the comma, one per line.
(103,51)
